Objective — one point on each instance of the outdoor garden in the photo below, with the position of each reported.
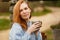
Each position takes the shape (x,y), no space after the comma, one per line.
(5,21)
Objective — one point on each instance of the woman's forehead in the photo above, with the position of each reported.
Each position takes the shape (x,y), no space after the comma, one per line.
(23,5)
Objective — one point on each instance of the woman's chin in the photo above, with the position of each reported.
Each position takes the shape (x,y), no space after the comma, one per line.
(26,18)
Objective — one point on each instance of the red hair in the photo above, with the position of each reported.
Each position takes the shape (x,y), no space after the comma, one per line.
(16,15)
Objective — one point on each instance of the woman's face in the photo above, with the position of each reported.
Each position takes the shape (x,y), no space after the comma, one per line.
(25,11)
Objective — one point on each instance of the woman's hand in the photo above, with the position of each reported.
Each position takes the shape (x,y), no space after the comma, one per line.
(34,27)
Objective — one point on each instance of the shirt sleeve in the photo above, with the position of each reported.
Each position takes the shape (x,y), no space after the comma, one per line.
(17,34)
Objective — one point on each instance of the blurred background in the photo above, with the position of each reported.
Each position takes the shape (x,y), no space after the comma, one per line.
(47,11)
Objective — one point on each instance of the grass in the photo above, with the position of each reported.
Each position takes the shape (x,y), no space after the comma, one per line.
(49,35)
(4,24)
(38,13)
(4,13)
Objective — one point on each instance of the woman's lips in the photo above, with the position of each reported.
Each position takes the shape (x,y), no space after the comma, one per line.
(26,15)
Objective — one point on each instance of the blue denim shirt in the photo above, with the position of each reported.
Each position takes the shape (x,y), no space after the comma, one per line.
(17,33)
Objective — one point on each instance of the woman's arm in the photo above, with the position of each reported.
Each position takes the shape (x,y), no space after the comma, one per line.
(17,34)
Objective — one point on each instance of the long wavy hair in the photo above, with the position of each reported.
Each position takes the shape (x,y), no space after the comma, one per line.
(16,15)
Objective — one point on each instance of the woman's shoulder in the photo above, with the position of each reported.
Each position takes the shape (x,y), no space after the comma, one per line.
(16,26)
(16,23)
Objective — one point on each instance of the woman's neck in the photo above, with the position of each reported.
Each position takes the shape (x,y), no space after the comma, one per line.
(27,20)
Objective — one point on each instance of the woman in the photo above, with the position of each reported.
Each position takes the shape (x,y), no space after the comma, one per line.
(22,28)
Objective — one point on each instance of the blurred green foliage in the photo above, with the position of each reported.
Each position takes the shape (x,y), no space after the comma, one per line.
(4,24)
(4,14)
(49,34)
(57,26)
(40,13)
(52,3)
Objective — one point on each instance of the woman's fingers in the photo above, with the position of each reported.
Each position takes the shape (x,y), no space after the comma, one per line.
(37,29)
(37,23)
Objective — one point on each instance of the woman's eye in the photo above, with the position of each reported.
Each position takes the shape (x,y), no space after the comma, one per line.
(25,8)
(21,10)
